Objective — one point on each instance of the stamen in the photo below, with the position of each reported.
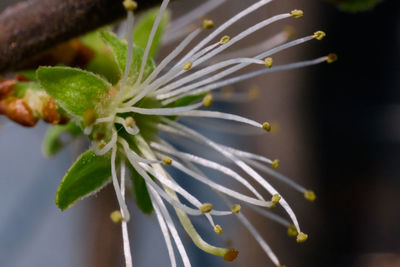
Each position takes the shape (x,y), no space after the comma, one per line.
(310,195)
(292,231)
(236,208)
(224,39)
(130,5)
(269,62)
(116,217)
(103,149)
(275,198)
(131,128)
(218,229)
(160,14)
(266,126)
(167,161)
(319,35)
(332,58)
(159,111)
(187,66)
(206,207)
(121,201)
(296,13)
(275,164)
(301,237)
(207,100)
(208,24)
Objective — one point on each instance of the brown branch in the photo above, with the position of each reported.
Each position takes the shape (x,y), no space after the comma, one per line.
(34,26)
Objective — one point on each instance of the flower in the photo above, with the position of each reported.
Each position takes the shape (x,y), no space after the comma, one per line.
(124,122)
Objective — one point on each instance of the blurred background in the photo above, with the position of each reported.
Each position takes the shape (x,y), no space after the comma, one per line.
(337,132)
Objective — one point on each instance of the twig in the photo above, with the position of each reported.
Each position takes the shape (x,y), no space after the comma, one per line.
(33,26)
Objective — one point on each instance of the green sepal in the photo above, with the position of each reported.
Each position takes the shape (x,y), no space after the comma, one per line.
(143,28)
(119,48)
(142,196)
(52,142)
(76,90)
(87,175)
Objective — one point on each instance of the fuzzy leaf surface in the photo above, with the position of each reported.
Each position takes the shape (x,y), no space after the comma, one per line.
(75,90)
(86,176)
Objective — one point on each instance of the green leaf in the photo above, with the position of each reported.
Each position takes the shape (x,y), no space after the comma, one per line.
(143,28)
(75,90)
(87,175)
(103,62)
(52,142)
(118,48)
(142,196)
(29,74)
(355,5)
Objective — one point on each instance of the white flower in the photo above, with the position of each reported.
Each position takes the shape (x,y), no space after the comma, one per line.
(144,109)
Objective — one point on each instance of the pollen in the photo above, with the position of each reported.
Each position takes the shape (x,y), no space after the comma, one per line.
(167,161)
(236,208)
(218,229)
(301,237)
(208,24)
(206,207)
(269,62)
(101,144)
(319,35)
(116,217)
(130,121)
(187,66)
(224,39)
(296,13)
(266,126)
(89,117)
(130,5)
(310,195)
(207,100)
(275,198)
(275,164)
(292,231)
(332,58)
(231,254)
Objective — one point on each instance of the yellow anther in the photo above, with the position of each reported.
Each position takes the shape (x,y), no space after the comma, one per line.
(224,39)
(206,207)
(130,122)
(236,208)
(275,198)
(187,66)
(207,100)
(272,206)
(301,237)
(296,13)
(130,5)
(275,164)
(254,93)
(208,24)
(292,230)
(319,35)
(332,58)
(116,216)
(310,195)
(218,229)
(269,62)
(231,254)
(167,161)
(266,126)
(89,117)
